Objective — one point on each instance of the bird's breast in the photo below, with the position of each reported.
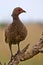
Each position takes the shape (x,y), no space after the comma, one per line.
(16,32)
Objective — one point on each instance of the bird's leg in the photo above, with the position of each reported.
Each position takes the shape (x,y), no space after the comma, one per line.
(10,46)
(18,48)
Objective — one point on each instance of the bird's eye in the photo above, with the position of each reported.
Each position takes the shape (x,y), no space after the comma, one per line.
(19,9)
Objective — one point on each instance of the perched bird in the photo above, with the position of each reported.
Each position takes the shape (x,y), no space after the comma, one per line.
(16,31)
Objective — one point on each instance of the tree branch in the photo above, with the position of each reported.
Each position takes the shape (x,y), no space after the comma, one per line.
(25,56)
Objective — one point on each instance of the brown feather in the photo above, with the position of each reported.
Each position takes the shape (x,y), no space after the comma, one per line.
(15,32)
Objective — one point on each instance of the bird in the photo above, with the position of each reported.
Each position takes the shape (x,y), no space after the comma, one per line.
(16,31)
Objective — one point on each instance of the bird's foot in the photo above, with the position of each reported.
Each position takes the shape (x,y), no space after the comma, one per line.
(18,51)
(12,57)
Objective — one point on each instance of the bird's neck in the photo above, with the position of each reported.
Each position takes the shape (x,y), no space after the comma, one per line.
(16,17)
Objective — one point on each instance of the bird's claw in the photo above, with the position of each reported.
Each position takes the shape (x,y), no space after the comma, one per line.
(12,57)
(18,51)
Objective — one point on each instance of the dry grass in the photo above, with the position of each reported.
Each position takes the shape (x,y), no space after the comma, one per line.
(34,33)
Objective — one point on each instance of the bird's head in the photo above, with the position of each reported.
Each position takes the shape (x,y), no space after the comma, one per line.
(17,11)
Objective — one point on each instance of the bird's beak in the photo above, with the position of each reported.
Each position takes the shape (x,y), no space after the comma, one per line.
(11,15)
(24,11)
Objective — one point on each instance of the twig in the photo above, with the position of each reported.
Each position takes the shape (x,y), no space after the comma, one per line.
(0,63)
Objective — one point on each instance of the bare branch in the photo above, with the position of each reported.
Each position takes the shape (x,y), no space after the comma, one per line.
(0,63)
(24,50)
(25,56)
(41,51)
